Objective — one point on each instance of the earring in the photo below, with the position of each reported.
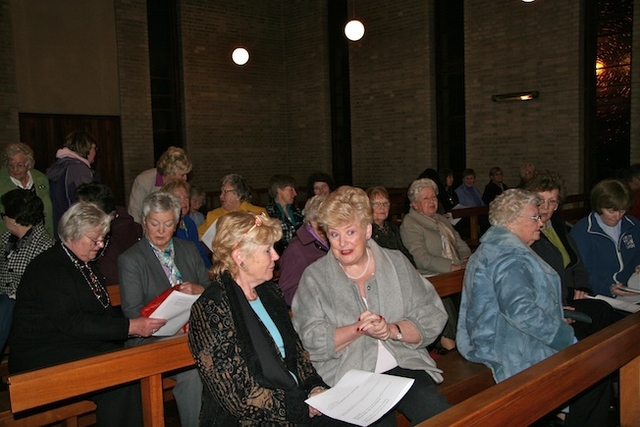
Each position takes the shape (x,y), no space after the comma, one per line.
(242,266)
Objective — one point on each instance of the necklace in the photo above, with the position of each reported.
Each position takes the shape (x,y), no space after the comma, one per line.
(363,271)
(92,280)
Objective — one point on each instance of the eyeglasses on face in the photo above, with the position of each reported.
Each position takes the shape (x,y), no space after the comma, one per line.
(17,166)
(225,191)
(100,242)
(380,204)
(536,218)
(552,203)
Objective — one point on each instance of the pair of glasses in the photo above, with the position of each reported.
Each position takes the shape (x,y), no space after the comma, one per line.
(17,166)
(380,204)
(549,202)
(100,242)
(536,218)
(223,191)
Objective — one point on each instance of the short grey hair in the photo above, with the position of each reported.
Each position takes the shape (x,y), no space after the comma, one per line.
(310,210)
(240,186)
(418,185)
(161,202)
(13,148)
(81,218)
(507,207)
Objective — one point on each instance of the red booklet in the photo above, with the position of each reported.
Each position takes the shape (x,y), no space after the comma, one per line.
(148,309)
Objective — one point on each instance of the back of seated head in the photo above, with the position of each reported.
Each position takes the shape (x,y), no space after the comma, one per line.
(176,184)
(23,206)
(97,193)
(320,177)
(80,142)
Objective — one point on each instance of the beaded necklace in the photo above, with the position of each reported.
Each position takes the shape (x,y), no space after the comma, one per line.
(90,277)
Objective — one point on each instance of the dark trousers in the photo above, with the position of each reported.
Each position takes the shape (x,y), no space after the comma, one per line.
(119,407)
(591,407)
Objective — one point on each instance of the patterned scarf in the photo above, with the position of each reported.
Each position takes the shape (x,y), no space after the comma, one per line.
(168,265)
(449,249)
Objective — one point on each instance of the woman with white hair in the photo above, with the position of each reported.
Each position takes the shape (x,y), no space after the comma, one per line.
(153,265)
(63,311)
(19,172)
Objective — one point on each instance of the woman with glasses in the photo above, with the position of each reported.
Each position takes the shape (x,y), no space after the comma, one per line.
(608,239)
(385,232)
(25,238)
(560,251)
(511,314)
(19,172)
(63,311)
(155,264)
(235,195)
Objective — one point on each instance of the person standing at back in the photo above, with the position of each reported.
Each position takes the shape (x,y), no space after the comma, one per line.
(72,168)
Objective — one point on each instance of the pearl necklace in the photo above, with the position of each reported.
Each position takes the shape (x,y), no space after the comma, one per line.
(363,272)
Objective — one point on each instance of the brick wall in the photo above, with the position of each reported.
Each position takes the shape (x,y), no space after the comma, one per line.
(392,93)
(135,88)
(635,92)
(511,46)
(9,129)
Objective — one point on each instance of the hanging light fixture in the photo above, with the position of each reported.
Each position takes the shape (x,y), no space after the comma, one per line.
(354,30)
(240,56)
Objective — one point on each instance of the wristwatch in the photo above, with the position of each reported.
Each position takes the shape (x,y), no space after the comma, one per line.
(399,334)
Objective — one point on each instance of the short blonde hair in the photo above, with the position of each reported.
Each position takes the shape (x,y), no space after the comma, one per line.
(343,206)
(507,206)
(174,161)
(244,232)
(13,148)
(176,184)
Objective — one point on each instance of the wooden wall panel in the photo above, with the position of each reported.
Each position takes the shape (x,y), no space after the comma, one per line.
(46,133)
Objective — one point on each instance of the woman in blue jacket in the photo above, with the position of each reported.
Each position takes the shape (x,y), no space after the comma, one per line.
(608,239)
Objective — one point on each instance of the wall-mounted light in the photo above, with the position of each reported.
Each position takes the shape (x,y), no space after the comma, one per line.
(528,1)
(240,56)
(517,96)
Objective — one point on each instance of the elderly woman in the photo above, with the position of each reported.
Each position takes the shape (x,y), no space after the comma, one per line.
(511,311)
(19,172)
(63,311)
(172,164)
(263,375)
(559,250)
(25,238)
(72,168)
(186,229)
(608,240)
(366,307)
(282,190)
(511,314)
(434,244)
(385,232)
(153,265)
(235,195)
(309,244)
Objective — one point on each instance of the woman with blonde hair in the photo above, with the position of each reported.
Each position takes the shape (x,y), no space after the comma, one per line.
(172,164)
(263,375)
(366,307)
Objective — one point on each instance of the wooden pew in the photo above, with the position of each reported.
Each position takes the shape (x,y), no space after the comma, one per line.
(73,380)
(535,392)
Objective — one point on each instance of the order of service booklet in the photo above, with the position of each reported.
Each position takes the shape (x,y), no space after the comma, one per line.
(176,309)
(360,397)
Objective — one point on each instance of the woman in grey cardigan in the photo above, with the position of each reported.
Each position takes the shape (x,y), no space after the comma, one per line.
(365,307)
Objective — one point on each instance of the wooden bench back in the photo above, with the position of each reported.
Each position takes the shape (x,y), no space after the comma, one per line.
(535,392)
